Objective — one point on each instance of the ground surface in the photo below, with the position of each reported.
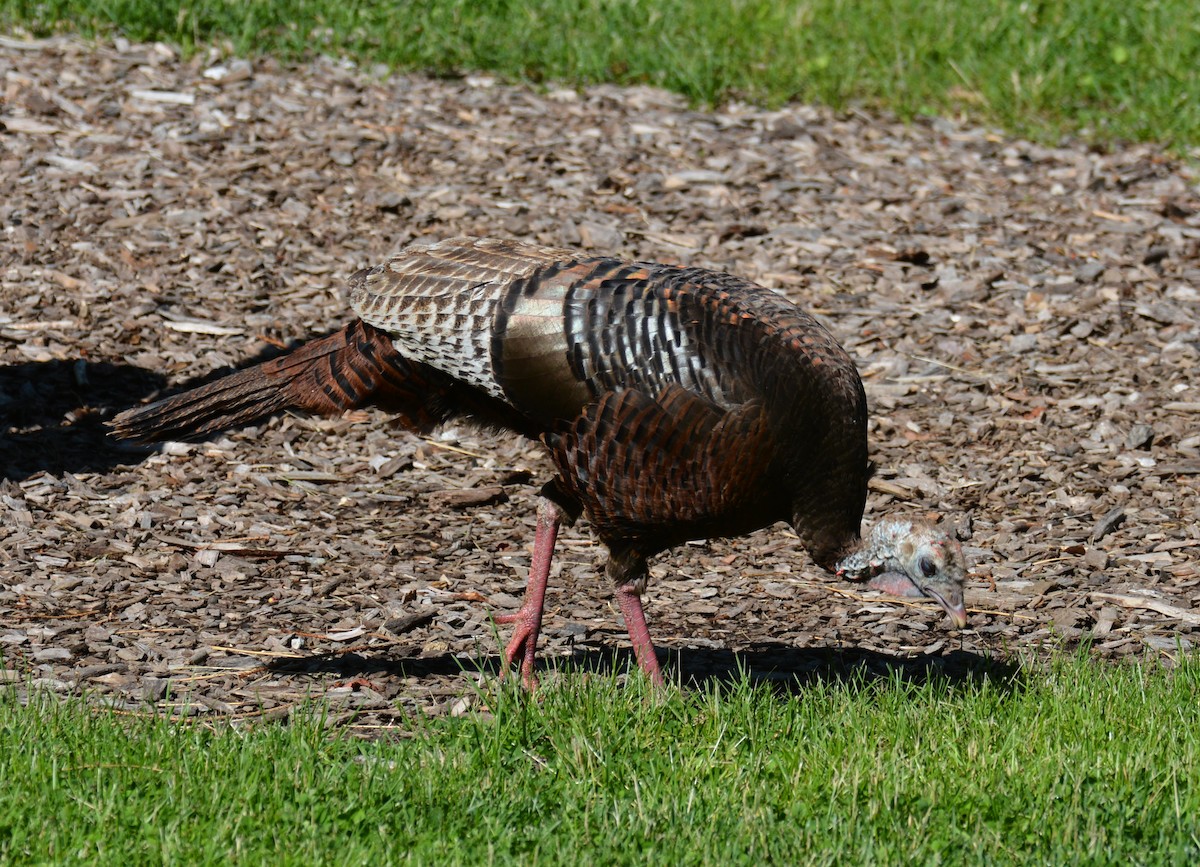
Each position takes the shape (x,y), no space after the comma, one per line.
(1026,320)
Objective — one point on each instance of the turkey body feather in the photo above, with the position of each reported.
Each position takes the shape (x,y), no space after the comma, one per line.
(676,404)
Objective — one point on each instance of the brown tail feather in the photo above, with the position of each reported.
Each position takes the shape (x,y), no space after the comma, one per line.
(353,367)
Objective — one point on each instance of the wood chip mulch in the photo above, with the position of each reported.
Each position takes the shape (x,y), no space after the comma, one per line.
(1026,319)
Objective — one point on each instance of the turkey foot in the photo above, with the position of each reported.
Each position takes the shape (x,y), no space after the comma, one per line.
(528,618)
(629,599)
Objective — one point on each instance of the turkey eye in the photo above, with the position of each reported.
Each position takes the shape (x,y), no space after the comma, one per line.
(928,567)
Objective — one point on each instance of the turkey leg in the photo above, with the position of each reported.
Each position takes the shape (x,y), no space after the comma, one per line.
(528,618)
(629,599)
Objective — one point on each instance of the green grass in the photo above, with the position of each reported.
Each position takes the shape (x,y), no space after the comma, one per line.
(1107,69)
(1080,763)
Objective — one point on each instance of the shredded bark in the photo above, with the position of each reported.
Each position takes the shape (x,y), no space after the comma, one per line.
(1025,319)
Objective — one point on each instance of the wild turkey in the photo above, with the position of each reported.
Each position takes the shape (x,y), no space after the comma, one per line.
(676,404)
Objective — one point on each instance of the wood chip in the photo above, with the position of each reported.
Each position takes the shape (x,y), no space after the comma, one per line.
(1148,604)
(164,96)
(1113,519)
(464,499)
(407,622)
(194,326)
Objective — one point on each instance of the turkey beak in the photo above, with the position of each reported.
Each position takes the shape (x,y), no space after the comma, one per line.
(954,608)
(958,615)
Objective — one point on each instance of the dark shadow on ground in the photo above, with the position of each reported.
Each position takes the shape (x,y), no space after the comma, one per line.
(786,669)
(791,669)
(52,415)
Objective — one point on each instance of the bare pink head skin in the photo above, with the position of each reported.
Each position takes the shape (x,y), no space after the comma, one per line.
(911,559)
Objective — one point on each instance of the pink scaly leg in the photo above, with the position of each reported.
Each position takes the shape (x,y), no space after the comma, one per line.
(629,599)
(528,617)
